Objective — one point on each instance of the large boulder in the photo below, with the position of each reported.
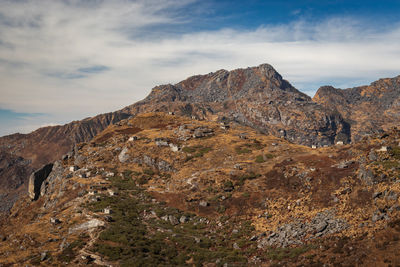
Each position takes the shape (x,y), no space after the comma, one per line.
(36,179)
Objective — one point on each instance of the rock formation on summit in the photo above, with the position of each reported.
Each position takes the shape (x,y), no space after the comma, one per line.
(257,97)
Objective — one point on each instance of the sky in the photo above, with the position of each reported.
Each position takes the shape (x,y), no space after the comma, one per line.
(64,60)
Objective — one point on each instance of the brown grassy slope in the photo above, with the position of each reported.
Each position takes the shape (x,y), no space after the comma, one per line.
(260,179)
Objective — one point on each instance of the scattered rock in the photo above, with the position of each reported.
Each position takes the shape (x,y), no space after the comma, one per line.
(344,164)
(183,219)
(377,195)
(54,221)
(162,141)
(173,220)
(123,156)
(366,175)
(202,132)
(203,203)
(174,148)
(43,256)
(392,195)
(73,168)
(372,155)
(294,233)
(321,227)
(132,138)
(378,215)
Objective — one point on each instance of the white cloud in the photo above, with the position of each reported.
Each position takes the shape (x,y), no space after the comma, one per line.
(44,45)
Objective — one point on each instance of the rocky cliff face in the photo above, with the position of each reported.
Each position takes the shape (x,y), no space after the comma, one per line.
(368,109)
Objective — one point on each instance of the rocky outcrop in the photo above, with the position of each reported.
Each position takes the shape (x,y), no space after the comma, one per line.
(368,109)
(53,178)
(36,179)
(297,232)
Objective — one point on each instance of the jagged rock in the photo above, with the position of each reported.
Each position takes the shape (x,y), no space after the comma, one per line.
(124,156)
(321,227)
(36,180)
(174,148)
(53,180)
(392,195)
(372,155)
(366,175)
(43,256)
(159,164)
(54,221)
(79,160)
(162,142)
(344,164)
(73,168)
(202,132)
(254,238)
(377,195)
(378,215)
(173,220)
(183,219)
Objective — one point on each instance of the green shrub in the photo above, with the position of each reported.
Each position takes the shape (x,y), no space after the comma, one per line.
(395,152)
(149,172)
(198,151)
(189,149)
(242,150)
(260,159)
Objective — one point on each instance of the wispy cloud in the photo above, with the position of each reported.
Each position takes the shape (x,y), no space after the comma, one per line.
(77,58)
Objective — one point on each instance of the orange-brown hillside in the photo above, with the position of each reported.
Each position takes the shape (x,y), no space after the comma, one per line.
(162,189)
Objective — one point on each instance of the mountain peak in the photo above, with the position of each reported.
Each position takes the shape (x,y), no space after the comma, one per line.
(261,81)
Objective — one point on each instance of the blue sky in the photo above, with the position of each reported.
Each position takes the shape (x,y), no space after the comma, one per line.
(67,60)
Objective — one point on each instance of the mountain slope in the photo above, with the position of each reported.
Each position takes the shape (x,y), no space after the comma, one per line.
(167,190)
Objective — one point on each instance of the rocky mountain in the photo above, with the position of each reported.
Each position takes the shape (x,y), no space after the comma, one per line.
(368,109)
(168,190)
(257,97)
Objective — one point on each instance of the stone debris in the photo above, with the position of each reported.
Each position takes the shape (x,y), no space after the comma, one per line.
(162,142)
(297,232)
